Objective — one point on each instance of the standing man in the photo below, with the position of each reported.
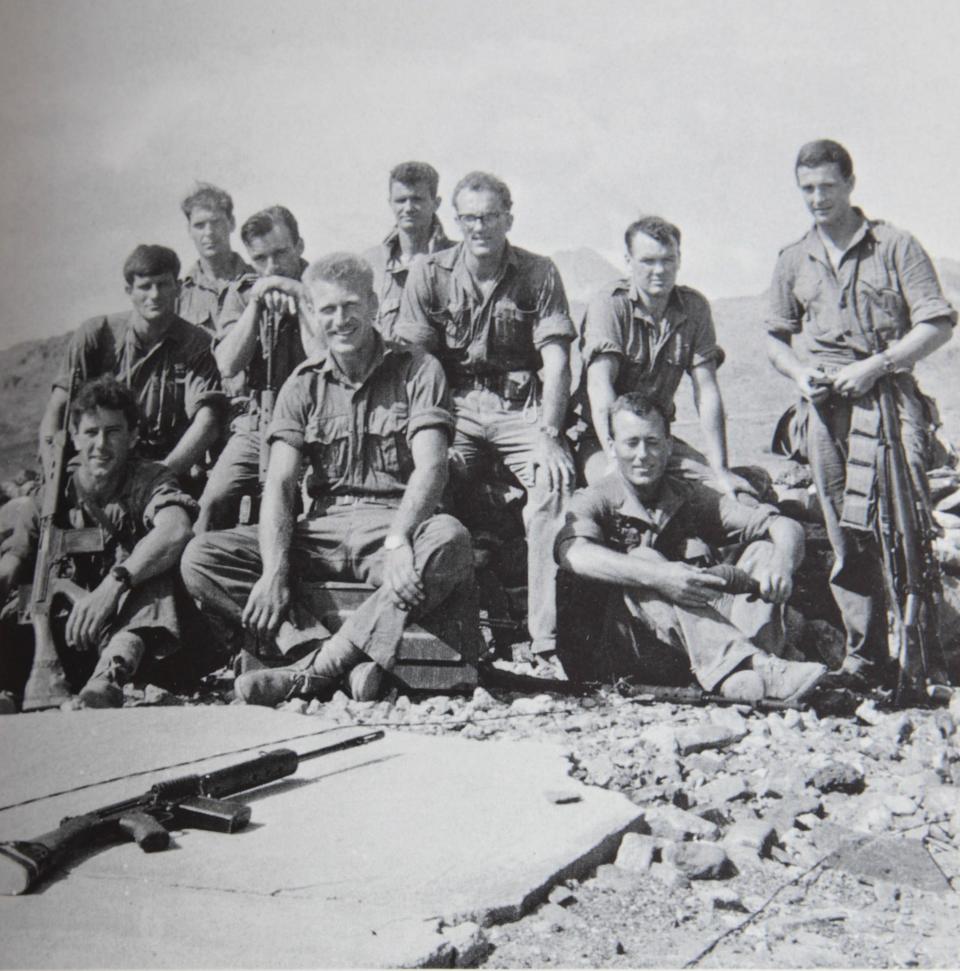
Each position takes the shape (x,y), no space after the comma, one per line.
(636,606)
(165,361)
(643,333)
(209,212)
(413,198)
(272,239)
(374,425)
(496,315)
(848,280)
(130,609)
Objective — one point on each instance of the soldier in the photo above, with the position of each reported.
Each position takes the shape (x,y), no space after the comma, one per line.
(272,239)
(495,315)
(130,609)
(633,602)
(414,201)
(847,281)
(165,361)
(374,424)
(643,333)
(209,212)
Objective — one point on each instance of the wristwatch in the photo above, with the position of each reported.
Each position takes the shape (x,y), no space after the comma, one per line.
(550,431)
(394,541)
(122,575)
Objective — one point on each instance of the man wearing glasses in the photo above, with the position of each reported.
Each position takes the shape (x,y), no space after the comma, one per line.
(497,318)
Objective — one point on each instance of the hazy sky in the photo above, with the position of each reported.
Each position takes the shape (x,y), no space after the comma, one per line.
(592,112)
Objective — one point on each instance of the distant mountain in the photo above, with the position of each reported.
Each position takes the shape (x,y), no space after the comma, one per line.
(583,271)
(949,272)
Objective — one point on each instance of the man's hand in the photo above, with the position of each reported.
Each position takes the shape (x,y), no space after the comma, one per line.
(90,613)
(401,578)
(856,379)
(731,484)
(553,457)
(687,586)
(267,604)
(277,293)
(814,385)
(775,579)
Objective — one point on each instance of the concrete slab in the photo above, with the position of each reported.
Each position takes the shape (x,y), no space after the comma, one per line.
(359,860)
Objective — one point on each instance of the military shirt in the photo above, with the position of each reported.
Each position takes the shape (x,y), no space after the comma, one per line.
(201,297)
(443,310)
(611,514)
(885,282)
(390,273)
(357,437)
(653,356)
(171,380)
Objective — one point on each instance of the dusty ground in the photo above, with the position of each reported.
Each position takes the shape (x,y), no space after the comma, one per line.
(826,841)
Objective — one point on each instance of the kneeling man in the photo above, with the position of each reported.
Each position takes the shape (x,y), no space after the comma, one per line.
(375,426)
(624,547)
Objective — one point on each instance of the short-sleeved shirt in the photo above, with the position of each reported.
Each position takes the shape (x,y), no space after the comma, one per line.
(172,379)
(653,355)
(287,355)
(201,296)
(885,282)
(146,488)
(611,514)
(390,273)
(444,311)
(357,437)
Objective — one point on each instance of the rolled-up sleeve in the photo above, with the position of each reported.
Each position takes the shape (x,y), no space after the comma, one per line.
(19,528)
(203,384)
(234,303)
(80,353)
(705,348)
(157,490)
(784,311)
(583,520)
(553,311)
(743,523)
(428,396)
(603,328)
(921,288)
(291,413)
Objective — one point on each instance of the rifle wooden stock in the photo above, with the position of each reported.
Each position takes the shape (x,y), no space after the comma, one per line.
(190,800)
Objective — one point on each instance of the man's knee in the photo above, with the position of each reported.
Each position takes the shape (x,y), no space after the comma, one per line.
(198,561)
(445,534)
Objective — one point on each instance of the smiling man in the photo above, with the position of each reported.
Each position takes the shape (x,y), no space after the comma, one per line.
(164,360)
(130,609)
(636,607)
(209,212)
(497,318)
(413,198)
(851,285)
(374,424)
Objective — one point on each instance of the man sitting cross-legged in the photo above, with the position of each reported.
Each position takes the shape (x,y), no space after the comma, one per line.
(375,426)
(624,545)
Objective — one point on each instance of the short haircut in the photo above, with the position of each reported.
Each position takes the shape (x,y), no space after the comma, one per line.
(345,269)
(824,152)
(205,195)
(104,392)
(263,222)
(416,173)
(642,405)
(654,227)
(484,182)
(151,260)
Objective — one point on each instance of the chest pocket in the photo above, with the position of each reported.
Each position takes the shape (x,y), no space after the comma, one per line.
(810,292)
(884,308)
(511,340)
(328,440)
(453,327)
(385,443)
(387,318)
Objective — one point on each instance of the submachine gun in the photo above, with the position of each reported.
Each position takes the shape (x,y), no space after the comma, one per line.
(271,321)
(190,800)
(47,686)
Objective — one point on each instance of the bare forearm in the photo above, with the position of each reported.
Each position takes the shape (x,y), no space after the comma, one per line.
(556,384)
(788,542)
(783,358)
(595,562)
(276,526)
(421,497)
(160,549)
(11,571)
(236,349)
(195,441)
(919,342)
(713,422)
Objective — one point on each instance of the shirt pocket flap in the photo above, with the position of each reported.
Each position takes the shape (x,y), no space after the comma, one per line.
(328,428)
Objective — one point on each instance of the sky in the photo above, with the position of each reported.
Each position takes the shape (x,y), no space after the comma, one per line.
(592,113)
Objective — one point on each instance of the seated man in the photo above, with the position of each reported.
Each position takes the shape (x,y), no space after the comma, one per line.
(643,333)
(375,426)
(209,212)
(628,536)
(272,238)
(414,201)
(146,520)
(162,359)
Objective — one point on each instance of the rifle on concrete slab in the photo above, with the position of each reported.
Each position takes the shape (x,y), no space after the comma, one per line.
(190,800)
(47,686)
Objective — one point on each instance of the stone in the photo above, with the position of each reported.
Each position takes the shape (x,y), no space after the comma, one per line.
(838,777)
(730,719)
(722,898)
(725,789)
(616,878)
(697,738)
(482,700)
(600,769)
(756,836)
(783,815)
(562,897)
(898,805)
(670,876)
(676,824)
(663,738)
(155,695)
(699,860)
(537,705)
(470,944)
(868,714)
(637,852)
